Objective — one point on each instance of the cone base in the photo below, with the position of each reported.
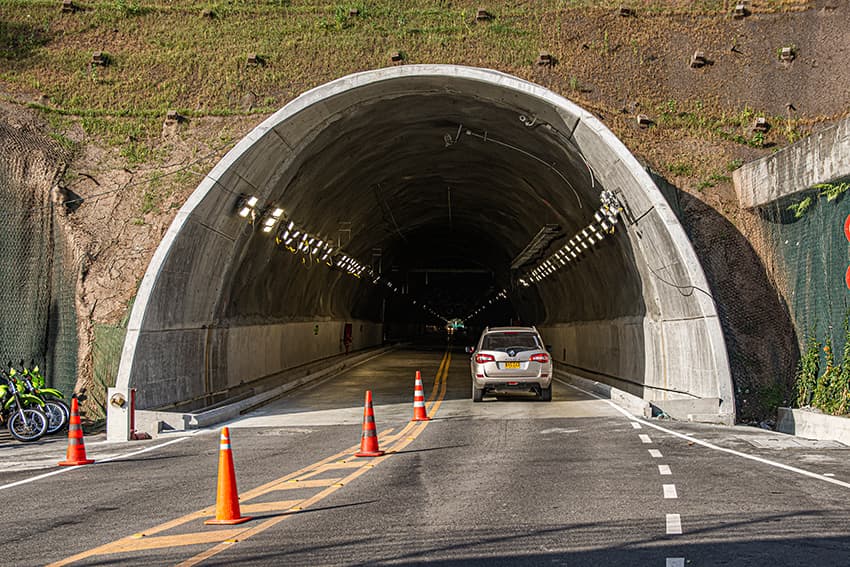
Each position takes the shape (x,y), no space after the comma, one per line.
(369,453)
(426,418)
(215,522)
(75,463)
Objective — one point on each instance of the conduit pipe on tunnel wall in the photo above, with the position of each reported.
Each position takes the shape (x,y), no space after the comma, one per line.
(219,306)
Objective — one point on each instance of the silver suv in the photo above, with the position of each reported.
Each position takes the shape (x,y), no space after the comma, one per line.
(510,358)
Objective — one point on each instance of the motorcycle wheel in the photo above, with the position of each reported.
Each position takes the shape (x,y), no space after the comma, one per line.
(31,428)
(57,415)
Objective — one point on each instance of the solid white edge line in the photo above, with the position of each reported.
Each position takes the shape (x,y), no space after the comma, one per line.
(106,460)
(710,445)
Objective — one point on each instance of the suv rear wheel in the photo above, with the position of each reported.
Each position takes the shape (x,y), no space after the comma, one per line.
(477,394)
(546,394)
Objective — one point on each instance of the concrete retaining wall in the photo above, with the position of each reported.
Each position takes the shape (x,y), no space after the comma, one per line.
(820,158)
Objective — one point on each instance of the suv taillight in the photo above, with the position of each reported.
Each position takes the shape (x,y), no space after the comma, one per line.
(541,357)
(482,358)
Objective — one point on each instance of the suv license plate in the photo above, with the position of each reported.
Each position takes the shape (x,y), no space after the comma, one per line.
(512,365)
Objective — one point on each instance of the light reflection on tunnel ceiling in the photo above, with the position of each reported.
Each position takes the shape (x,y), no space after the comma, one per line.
(298,240)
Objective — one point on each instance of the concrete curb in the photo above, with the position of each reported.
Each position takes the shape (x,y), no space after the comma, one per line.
(156,422)
(811,424)
(629,402)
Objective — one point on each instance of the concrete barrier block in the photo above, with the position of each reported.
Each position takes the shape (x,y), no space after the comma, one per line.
(812,424)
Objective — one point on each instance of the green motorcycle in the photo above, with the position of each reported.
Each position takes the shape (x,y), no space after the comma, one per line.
(31,381)
(21,412)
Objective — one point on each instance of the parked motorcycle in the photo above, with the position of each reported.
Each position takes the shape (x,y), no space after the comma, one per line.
(21,412)
(31,380)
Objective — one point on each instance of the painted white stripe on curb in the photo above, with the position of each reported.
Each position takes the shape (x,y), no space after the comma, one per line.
(644,438)
(106,460)
(664,470)
(674,524)
(708,445)
(670,491)
(655,453)
(635,425)
(675,562)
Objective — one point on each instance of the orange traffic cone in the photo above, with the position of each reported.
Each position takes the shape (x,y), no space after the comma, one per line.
(227,497)
(76,453)
(369,439)
(419,413)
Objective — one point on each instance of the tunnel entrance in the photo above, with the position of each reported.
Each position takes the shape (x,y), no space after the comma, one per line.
(388,202)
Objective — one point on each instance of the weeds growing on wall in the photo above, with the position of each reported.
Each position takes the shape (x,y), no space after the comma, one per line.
(826,389)
(831,191)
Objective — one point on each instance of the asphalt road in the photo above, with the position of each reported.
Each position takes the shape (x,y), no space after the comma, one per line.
(510,481)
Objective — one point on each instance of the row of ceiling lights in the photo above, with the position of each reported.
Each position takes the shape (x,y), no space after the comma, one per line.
(297,240)
(604,221)
(502,295)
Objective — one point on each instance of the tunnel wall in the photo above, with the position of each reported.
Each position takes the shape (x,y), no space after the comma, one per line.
(675,346)
(196,367)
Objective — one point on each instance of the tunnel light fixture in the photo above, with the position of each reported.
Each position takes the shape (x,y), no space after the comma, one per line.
(603,223)
(247,206)
(538,244)
(271,217)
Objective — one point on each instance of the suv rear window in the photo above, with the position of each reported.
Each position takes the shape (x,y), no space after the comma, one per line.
(504,341)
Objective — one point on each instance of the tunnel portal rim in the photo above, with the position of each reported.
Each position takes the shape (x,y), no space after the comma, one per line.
(355,81)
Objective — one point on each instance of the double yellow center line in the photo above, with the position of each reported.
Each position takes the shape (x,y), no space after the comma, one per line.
(304,478)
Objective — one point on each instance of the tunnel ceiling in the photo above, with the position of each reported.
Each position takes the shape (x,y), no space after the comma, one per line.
(438,179)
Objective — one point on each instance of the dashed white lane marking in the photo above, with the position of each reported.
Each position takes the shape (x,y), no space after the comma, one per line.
(670,491)
(664,470)
(675,562)
(711,445)
(655,453)
(644,438)
(674,524)
(635,425)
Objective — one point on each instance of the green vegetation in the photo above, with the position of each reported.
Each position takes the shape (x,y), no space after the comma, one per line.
(713,180)
(831,191)
(829,389)
(684,168)
(799,209)
(696,119)
(734,164)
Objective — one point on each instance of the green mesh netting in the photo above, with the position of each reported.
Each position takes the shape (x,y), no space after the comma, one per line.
(37,281)
(812,255)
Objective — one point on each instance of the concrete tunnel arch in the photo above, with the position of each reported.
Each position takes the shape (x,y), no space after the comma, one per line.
(373,157)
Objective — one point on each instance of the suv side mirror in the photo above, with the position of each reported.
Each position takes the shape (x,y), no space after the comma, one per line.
(469,349)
